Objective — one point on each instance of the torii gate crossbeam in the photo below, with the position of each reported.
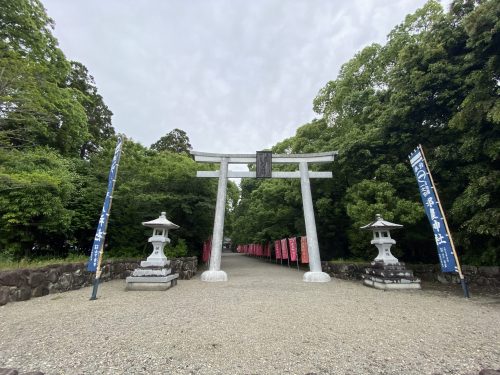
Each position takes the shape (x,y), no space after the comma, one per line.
(315,273)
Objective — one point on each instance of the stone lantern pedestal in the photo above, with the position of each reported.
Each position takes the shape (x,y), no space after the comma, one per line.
(154,273)
(386,272)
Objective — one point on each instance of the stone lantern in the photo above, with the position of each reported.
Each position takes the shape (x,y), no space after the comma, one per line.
(382,239)
(386,272)
(153,273)
(159,239)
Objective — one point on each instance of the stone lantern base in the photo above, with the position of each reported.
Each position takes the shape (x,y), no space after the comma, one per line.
(390,276)
(151,278)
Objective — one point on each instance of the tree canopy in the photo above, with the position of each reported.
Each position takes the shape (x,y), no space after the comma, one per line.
(174,141)
(435,82)
(56,145)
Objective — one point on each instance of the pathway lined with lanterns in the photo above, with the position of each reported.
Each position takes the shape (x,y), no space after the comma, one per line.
(263,320)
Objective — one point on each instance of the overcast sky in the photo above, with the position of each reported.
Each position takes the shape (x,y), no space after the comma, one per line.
(238,76)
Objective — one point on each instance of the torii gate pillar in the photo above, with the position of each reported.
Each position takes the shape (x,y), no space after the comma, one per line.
(214,273)
(315,274)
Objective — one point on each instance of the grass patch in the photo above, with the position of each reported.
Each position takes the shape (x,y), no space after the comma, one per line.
(8,264)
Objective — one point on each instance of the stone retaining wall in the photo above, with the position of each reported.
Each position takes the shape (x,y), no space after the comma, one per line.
(482,276)
(23,284)
(346,271)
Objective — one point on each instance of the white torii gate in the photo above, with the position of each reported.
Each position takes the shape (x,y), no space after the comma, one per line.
(315,273)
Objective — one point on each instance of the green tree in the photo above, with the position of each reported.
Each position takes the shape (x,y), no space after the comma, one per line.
(370,197)
(174,141)
(150,182)
(36,106)
(477,206)
(434,82)
(98,114)
(37,186)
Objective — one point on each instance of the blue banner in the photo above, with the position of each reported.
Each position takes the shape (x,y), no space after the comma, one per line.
(434,212)
(103,220)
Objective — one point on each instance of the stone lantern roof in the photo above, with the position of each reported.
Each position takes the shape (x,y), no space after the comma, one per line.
(162,222)
(380,224)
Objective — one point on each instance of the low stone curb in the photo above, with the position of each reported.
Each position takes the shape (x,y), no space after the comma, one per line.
(23,284)
(481,276)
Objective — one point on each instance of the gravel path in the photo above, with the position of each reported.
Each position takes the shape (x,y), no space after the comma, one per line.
(264,320)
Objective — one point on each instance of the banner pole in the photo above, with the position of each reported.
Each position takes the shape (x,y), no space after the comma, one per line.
(459,268)
(112,175)
(98,272)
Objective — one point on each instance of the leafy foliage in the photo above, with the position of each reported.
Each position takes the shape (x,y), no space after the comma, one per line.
(56,145)
(180,250)
(98,114)
(36,190)
(37,108)
(174,141)
(151,182)
(434,82)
